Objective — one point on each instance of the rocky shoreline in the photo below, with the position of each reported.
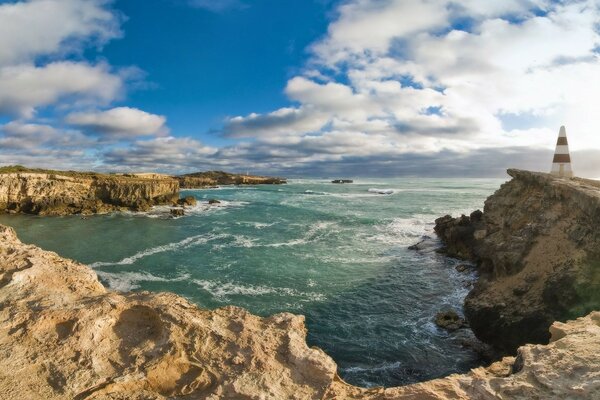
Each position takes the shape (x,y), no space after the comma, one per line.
(63,335)
(46,192)
(537,250)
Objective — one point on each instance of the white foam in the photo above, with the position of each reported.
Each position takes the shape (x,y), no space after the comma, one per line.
(221,290)
(185,243)
(381,191)
(404,231)
(128,281)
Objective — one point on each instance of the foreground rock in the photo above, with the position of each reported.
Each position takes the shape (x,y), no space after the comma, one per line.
(62,193)
(214,178)
(64,336)
(537,246)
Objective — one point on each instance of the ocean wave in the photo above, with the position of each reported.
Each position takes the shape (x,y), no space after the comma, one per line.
(404,231)
(222,290)
(182,244)
(381,191)
(202,207)
(128,281)
(314,232)
(377,368)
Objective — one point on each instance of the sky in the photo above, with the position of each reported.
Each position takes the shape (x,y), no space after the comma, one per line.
(314,88)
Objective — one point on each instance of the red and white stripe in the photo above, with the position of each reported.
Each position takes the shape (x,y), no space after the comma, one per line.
(561,164)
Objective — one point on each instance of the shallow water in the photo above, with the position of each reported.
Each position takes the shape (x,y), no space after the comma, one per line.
(335,253)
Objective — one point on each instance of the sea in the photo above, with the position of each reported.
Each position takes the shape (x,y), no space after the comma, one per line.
(336,253)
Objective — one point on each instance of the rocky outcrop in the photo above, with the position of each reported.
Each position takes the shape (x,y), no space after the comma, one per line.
(537,247)
(215,178)
(61,193)
(64,336)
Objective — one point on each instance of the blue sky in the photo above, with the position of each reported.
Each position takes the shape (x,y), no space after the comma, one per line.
(299,87)
(205,66)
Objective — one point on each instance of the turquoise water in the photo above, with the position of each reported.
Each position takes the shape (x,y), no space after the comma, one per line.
(335,253)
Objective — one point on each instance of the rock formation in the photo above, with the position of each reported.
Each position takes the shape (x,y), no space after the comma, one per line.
(61,193)
(64,336)
(214,178)
(537,247)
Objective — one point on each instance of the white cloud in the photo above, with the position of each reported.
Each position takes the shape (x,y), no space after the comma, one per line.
(164,153)
(29,29)
(397,78)
(23,88)
(120,122)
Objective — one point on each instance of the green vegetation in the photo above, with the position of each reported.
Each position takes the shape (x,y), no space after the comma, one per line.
(10,169)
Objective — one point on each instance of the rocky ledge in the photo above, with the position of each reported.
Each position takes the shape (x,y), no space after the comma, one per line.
(45,192)
(215,178)
(64,336)
(537,248)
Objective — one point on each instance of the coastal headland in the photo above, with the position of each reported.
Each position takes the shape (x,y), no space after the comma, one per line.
(537,249)
(48,192)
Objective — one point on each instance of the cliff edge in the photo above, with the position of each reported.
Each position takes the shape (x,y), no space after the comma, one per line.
(537,247)
(66,192)
(215,178)
(64,336)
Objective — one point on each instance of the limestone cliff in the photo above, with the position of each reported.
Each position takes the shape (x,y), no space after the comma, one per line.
(60,193)
(537,245)
(215,178)
(64,336)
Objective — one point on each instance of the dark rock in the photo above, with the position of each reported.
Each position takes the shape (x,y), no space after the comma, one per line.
(342,181)
(187,201)
(449,320)
(177,212)
(214,201)
(462,267)
(426,244)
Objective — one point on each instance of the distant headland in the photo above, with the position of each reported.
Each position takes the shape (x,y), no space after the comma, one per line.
(51,192)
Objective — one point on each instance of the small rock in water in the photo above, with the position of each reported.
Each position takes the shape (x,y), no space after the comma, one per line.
(214,201)
(177,212)
(449,320)
(187,201)
(462,267)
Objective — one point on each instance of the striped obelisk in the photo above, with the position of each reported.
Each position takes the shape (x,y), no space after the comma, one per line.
(561,164)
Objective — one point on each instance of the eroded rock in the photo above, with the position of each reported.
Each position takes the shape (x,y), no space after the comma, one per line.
(64,336)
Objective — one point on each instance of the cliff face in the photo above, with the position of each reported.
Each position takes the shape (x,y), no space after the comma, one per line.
(215,178)
(64,336)
(57,194)
(537,246)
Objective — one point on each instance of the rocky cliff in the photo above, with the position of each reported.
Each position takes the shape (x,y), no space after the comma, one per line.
(64,336)
(215,178)
(60,193)
(537,247)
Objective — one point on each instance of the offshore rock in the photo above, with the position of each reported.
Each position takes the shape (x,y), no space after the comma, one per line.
(537,247)
(449,320)
(63,193)
(64,336)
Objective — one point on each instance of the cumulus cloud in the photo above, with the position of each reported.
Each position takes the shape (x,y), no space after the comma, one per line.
(164,153)
(29,29)
(404,78)
(120,122)
(17,135)
(23,88)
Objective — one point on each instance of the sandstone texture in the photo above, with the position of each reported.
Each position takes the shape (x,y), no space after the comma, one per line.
(62,193)
(537,248)
(215,178)
(64,336)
